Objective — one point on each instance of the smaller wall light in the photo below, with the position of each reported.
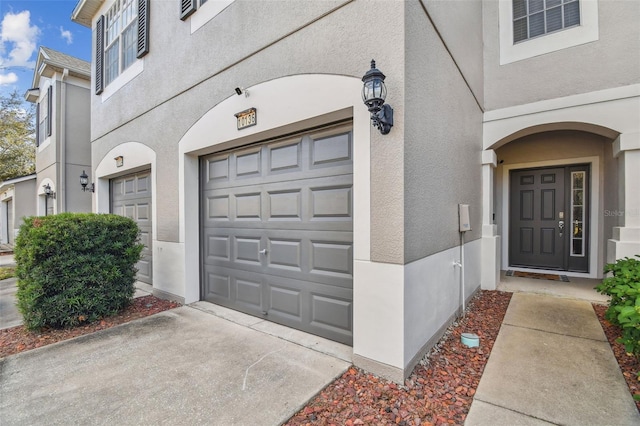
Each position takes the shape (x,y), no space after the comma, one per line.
(374,92)
(48,192)
(84,182)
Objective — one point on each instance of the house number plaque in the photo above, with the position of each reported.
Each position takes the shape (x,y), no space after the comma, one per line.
(246,118)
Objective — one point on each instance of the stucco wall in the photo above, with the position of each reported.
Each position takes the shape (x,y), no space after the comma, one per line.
(443,143)
(78,125)
(24,201)
(322,44)
(463,37)
(611,61)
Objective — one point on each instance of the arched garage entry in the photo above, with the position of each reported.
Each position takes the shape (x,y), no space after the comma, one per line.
(297,106)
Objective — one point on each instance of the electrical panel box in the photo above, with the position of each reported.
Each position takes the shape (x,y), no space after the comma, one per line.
(463,215)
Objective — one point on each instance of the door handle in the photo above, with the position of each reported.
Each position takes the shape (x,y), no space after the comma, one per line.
(561,226)
(263,251)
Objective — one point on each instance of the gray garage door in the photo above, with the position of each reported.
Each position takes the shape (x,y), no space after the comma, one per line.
(277,223)
(131,197)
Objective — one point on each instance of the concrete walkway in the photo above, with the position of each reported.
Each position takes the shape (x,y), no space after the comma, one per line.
(183,366)
(551,364)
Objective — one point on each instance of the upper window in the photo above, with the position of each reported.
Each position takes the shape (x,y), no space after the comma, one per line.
(121,38)
(533,18)
(43,116)
(530,28)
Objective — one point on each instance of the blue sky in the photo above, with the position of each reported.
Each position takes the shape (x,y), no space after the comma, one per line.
(26,25)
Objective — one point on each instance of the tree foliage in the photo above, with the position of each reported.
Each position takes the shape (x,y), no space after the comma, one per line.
(17,137)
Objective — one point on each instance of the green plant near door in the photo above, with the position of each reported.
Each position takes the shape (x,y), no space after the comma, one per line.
(624,307)
(75,267)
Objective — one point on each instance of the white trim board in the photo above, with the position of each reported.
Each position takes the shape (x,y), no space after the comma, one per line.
(595,231)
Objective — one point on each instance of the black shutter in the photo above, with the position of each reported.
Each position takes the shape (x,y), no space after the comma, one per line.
(49,110)
(143,28)
(38,124)
(99,55)
(187,7)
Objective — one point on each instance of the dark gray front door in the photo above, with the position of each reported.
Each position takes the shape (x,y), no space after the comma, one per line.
(277,239)
(131,197)
(549,218)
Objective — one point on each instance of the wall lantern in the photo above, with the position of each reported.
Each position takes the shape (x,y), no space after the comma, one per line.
(84,181)
(374,92)
(48,192)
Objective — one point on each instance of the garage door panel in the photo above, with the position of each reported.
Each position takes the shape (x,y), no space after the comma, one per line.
(285,253)
(247,250)
(217,208)
(217,247)
(248,206)
(277,232)
(248,163)
(331,202)
(284,157)
(331,151)
(217,170)
(284,205)
(218,288)
(332,314)
(332,258)
(129,186)
(285,302)
(249,293)
(144,269)
(143,212)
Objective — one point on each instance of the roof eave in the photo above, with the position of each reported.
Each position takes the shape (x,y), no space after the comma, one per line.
(84,11)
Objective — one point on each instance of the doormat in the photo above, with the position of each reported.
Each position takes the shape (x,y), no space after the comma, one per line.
(538,276)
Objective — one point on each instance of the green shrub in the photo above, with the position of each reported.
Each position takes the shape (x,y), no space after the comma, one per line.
(75,267)
(624,307)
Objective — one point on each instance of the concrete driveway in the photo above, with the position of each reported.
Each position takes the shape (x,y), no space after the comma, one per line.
(184,366)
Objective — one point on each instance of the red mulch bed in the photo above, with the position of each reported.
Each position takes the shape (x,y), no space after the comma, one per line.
(629,365)
(438,392)
(18,339)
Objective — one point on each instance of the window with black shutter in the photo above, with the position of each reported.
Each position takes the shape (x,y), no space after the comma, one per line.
(122,37)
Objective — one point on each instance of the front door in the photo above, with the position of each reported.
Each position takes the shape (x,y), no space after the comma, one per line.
(549,218)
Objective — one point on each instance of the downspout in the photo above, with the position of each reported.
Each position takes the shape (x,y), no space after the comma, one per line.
(62,190)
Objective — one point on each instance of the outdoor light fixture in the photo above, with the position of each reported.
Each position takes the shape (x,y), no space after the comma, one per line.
(84,181)
(48,192)
(374,92)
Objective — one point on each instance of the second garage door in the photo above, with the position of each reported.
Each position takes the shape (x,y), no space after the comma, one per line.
(277,223)
(131,197)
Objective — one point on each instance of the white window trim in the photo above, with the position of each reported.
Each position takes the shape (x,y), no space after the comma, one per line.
(586,32)
(126,76)
(207,12)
